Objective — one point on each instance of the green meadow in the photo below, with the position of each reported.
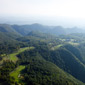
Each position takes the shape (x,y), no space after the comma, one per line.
(16,73)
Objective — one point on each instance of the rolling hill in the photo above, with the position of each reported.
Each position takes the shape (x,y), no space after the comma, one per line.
(57,57)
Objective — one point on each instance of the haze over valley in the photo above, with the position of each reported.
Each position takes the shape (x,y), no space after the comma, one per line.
(42,42)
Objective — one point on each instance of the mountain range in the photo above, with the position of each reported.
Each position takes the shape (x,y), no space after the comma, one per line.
(41,55)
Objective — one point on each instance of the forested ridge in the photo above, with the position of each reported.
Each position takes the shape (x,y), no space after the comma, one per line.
(38,55)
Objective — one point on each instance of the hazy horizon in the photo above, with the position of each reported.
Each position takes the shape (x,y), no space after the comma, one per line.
(66,13)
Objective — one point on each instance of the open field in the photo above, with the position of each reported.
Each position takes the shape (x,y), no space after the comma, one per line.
(17,73)
(13,56)
(56,47)
(72,43)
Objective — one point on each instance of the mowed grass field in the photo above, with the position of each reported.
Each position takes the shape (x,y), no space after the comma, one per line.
(16,74)
(72,43)
(13,56)
(56,47)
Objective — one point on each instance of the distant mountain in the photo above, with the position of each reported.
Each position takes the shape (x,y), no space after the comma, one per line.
(75,30)
(9,31)
(25,29)
(6,28)
(53,59)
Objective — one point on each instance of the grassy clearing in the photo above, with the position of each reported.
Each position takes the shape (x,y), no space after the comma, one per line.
(13,56)
(56,47)
(2,55)
(72,43)
(16,73)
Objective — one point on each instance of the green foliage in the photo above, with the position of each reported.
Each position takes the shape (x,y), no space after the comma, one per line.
(8,66)
(62,57)
(16,73)
(13,56)
(43,58)
(43,73)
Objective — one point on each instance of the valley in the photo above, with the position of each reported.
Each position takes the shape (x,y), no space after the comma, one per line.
(37,55)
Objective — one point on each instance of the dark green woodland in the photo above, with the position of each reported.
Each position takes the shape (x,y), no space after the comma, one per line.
(41,55)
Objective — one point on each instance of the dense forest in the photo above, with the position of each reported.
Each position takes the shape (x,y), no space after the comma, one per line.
(41,55)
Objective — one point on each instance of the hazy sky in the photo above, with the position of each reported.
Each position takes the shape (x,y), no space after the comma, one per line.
(56,12)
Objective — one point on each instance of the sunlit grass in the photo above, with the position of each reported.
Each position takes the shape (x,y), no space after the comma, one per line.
(56,47)
(16,73)
(72,43)
(13,56)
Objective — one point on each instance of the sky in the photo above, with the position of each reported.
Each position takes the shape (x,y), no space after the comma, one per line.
(49,12)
